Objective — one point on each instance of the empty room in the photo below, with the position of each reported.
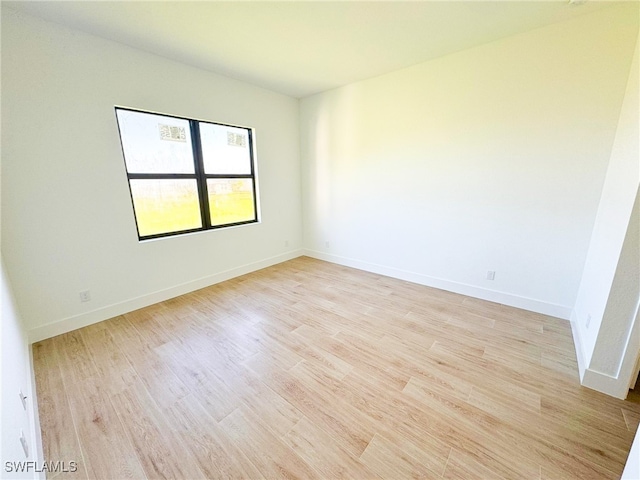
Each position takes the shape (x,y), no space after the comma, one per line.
(320,239)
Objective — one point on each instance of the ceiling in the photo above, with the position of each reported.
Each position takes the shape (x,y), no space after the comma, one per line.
(302,47)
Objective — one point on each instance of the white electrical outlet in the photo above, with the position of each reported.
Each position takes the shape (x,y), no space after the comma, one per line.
(23,399)
(327,244)
(491,275)
(286,243)
(85,296)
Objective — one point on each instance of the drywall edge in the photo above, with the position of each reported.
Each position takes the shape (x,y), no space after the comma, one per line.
(577,342)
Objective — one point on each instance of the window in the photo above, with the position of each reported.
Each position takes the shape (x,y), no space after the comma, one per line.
(187,175)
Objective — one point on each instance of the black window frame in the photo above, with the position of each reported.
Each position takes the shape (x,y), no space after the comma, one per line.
(199,175)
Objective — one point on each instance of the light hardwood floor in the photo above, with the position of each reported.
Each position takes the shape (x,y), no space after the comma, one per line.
(313,370)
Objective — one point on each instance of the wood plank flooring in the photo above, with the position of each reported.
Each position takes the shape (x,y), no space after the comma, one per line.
(313,370)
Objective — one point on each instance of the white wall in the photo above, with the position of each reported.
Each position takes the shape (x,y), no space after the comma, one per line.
(68,219)
(492,158)
(611,226)
(16,376)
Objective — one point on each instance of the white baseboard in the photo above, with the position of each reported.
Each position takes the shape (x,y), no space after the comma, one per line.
(604,383)
(533,305)
(616,386)
(78,321)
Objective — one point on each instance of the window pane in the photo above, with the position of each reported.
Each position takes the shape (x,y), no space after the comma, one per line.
(225,150)
(155,143)
(164,206)
(230,200)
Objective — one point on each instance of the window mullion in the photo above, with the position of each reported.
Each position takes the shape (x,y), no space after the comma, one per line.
(160,176)
(228,175)
(253,175)
(200,176)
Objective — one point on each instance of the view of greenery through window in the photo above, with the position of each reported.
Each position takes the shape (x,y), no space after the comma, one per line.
(178,169)
(230,201)
(165,206)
